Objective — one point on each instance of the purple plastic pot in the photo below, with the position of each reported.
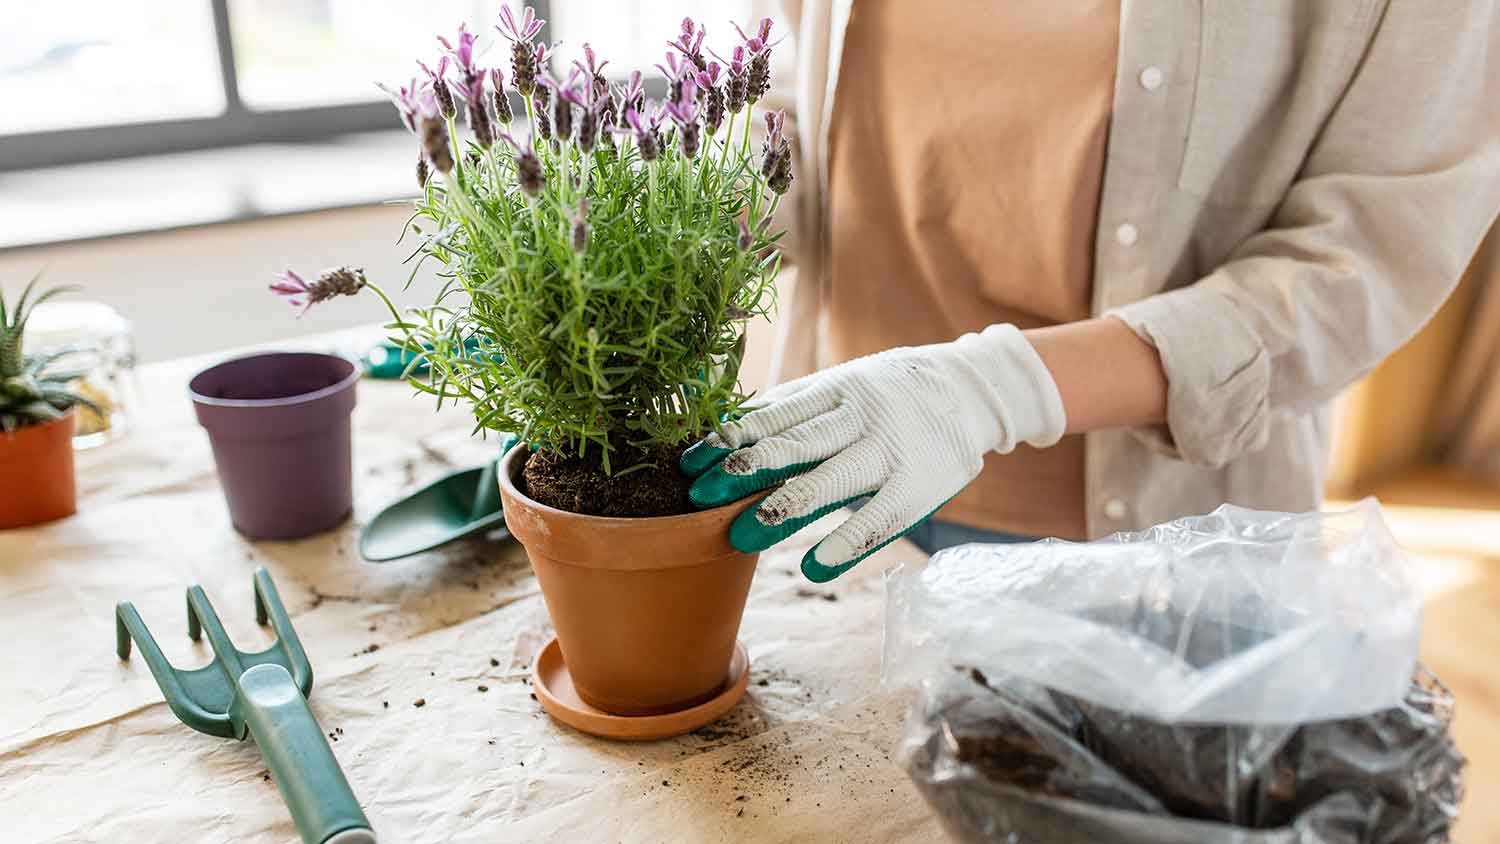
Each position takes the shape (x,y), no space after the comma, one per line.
(279,425)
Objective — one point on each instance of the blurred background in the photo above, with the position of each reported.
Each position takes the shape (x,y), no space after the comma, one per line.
(170,156)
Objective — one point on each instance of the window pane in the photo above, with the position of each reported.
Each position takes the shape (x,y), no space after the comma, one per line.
(633,34)
(102,62)
(299,53)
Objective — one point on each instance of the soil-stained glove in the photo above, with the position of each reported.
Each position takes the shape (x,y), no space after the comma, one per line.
(911,425)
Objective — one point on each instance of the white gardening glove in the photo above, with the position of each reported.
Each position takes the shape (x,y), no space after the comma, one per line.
(911,425)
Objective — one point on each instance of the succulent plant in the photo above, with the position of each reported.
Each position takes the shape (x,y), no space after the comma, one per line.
(30,391)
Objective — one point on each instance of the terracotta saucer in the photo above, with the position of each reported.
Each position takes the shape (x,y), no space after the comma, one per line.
(554,689)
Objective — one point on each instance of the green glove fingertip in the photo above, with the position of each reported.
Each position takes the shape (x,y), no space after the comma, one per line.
(701,457)
(716,487)
(819,573)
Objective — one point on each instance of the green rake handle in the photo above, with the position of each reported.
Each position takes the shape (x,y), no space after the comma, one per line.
(295,749)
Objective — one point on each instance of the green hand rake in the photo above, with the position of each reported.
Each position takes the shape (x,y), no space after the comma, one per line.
(262,695)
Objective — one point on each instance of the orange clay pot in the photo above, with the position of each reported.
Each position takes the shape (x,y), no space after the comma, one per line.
(646,610)
(36,473)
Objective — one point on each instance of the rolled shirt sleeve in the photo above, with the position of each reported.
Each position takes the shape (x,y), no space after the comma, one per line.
(1391,202)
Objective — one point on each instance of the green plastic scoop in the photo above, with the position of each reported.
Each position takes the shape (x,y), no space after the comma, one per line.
(263,695)
(459,504)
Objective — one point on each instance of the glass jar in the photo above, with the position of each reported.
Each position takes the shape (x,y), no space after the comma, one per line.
(99,355)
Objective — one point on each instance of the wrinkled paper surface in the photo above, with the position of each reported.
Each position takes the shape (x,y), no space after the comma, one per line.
(89,752)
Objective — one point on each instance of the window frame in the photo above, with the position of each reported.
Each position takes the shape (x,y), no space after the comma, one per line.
(235,126)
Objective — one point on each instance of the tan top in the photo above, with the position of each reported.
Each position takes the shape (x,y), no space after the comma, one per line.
(1290,191)
(963,191)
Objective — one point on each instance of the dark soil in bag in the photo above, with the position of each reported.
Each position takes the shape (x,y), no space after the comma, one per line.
(579,484)
(993,755)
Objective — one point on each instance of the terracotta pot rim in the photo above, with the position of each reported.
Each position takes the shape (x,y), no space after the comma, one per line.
(509,468)
(25,430)
(284,401)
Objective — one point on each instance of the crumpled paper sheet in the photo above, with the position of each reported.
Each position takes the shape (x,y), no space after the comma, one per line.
(88,752)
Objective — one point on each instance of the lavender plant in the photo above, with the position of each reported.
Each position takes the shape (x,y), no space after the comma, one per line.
(600,254)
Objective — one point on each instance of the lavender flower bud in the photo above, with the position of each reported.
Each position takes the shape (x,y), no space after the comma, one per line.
(588,130)
(543,124)
(691,134)
(444,100)
(435,143)
(479,123)
(780,179)
(529,173)
(422,172)
(581,226)
(523,68)
(745,241)
(760,77)
(503,115)
(649,145)
(339,281)
(736,91)
(713,113)
(562,118)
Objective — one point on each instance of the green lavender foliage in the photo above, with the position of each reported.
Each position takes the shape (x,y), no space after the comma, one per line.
(30,392)
(637,337)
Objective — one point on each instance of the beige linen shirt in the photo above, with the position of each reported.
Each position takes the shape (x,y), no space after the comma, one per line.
(1291,189)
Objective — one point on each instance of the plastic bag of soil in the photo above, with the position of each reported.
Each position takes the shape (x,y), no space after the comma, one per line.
(1237,677)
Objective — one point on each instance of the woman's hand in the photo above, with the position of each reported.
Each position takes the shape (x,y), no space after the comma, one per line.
(910,425)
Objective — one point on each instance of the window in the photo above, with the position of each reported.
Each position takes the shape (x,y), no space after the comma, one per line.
(302,53)
(633,35)
(102,62)
(98,79)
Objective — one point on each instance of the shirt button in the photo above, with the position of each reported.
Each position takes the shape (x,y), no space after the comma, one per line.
(1127,234)
(1114,509)
(1151,78)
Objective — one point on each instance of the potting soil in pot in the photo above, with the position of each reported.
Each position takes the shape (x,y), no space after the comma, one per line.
(580,485)
(1244,676)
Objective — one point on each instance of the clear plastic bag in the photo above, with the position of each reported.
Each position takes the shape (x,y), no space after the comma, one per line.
(1237,677)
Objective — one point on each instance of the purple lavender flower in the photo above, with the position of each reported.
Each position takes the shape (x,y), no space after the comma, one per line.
(631,97)
(525,60)
(647,139)
(405,97)
(690,42)
(737,84)
(463,53)
(713,109)
(434,132)
(300,293)
(526,30)
(569,94)
(775,123)
(503,113)
(591,118)
(470,88)
(759,46)
(684,112)
(675,72)
(437,81)
(529,173)
(776,165)
(591,68)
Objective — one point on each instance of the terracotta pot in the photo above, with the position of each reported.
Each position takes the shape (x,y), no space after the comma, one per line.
(646,610)
(36,473)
